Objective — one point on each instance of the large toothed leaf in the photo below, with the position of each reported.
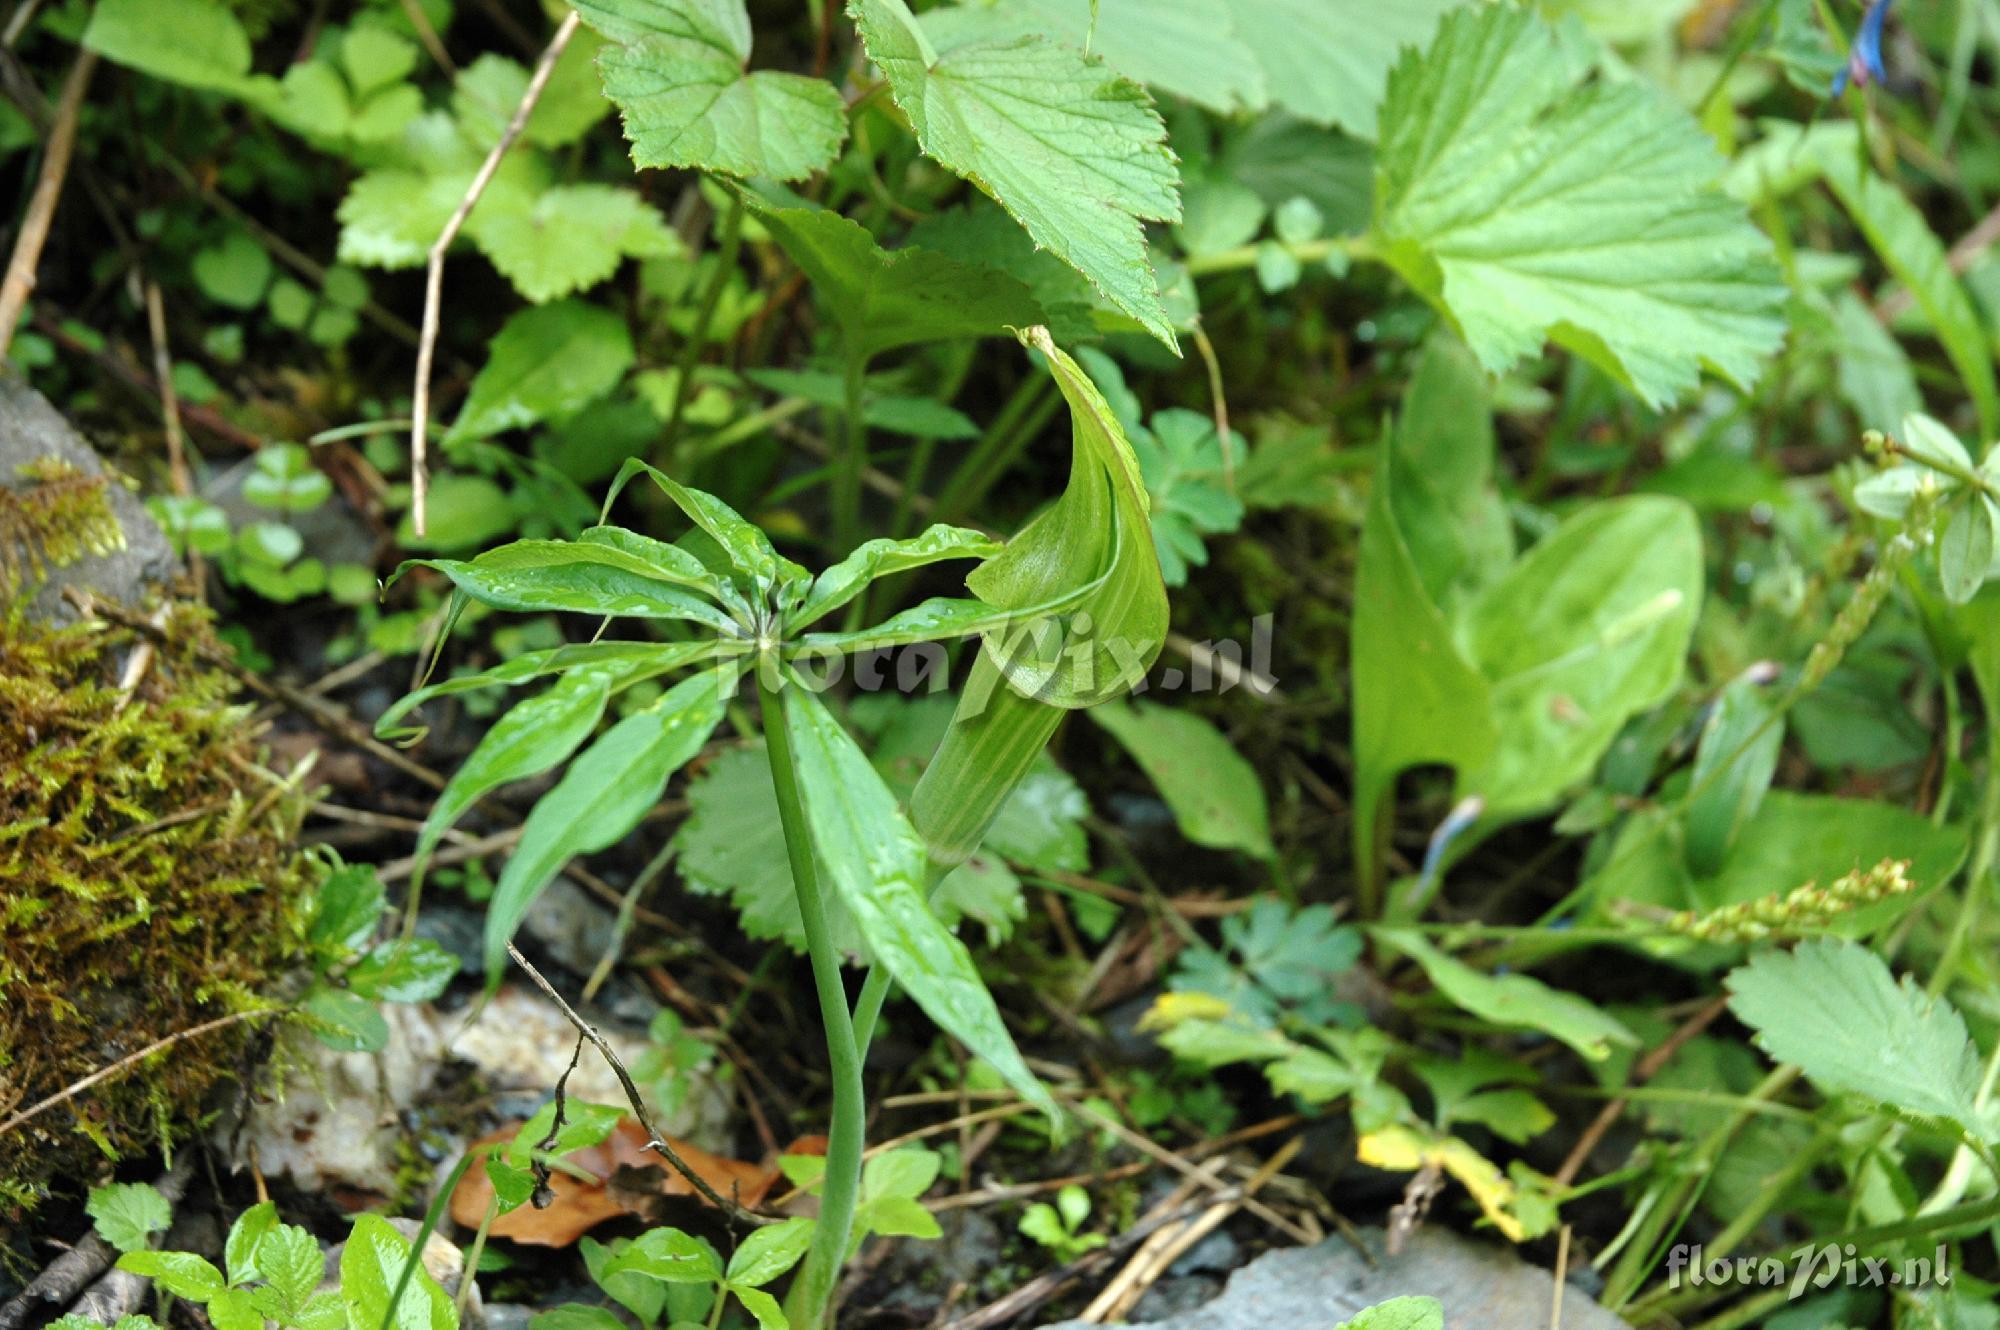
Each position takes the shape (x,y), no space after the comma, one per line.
(876,862)
(1076,153)
(532,737)
(600,798)
(1833,1009)
(1327,60)
(1530,205)
(676,69)
(571,237)
(889,298)
(1098,538)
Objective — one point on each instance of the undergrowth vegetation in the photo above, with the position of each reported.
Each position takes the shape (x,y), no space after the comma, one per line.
(1383,611)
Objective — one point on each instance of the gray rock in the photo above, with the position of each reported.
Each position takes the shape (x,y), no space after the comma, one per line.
(1480,1284)
(31,431)
(575,928)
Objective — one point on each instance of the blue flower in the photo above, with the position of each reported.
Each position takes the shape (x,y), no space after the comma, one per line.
(1864,58)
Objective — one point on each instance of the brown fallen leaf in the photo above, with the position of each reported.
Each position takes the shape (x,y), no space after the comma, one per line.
(630,1180)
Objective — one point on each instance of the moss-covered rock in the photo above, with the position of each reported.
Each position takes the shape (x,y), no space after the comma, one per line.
(148,877)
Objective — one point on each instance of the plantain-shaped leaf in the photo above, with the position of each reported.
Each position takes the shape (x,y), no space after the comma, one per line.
(877,863)
(532,737)
(601,798)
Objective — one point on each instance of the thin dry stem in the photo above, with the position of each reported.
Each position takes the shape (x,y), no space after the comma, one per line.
(27,257)
(434,273)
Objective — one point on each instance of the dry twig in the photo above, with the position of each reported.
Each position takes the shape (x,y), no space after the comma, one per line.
(20,280)
(427,336)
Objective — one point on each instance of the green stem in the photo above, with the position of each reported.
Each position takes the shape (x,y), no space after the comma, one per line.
(711,297)
(1311,251)
(806,1306)
(468,1276)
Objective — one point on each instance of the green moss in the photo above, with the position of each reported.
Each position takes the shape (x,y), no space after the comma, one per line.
(148,879)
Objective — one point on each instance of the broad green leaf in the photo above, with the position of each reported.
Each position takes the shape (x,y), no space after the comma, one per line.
(345,910)
(1833,1009)
(392,215)
(234,1309)
(1214,794)
(767,1311)
(939,619)
(1441,460)
(1076,154)
(906,1173)
(239,1249)
(677,70)
(1527,206)
(343,1020)
(1733,766)
(488,91)
(577,1316)
(582,577)
(628,661)
(289,1259)
(669,1255)
(235,271)
(1589,628)
(879,558)
(125,1214)
(1417,699)
(1328,60)
(1907,247)
(765,1253)
(1871,367)
(918,417)
(196,43)
(181,1273)
(1187,48)
(1399,1314)
(371,1265)
(599,799)
(876,863)
(982,233)
(407,970)
(466,510)
(1965,550)
(571,237)
(1096,539)
(888,298)
(546,362)
(1514,1001)
(532,737)
(584,1125)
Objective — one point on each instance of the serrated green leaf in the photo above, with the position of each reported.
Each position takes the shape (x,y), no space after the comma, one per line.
(1514,1001)
(233,1309)
(1528,207)
(290,1261)
(407,970)
(768,1252)
(375,57)
(1188,482)
(545,363)
(1076,154)
(371,1265)
(676,69)
(181,1273)
(877,864)
(125,1214)
(1188,48)
(884,299)
(571,237)
(532,737)
(1833,1009)
(239,1249)
(1328,60)
(1214,794)
(599,799)
(345,910)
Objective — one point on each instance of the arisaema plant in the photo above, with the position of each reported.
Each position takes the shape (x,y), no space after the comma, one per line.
(1069,613)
